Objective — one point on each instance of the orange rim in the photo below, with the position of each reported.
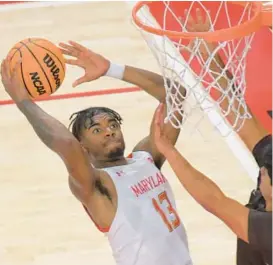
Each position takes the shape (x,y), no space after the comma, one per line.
(239,31)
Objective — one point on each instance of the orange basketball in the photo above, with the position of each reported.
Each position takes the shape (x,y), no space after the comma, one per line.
(43,66)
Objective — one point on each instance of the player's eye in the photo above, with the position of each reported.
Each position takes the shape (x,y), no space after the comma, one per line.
(96,130)
(114,126)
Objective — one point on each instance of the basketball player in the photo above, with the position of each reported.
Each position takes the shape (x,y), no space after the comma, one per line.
(256,139)
(128,198)
(259,142)
(252,224)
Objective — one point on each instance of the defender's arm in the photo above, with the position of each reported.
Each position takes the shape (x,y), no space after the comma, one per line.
(209,195)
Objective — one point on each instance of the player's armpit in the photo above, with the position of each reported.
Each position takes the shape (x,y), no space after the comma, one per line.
(233,214)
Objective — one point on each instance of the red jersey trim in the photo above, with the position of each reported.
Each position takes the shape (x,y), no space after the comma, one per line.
(101,229)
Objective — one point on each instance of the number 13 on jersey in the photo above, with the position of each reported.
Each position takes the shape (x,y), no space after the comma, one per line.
(171,224)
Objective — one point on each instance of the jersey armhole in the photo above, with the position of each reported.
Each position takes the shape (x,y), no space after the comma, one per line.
(101,229)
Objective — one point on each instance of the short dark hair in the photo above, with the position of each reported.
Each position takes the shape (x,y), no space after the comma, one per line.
(267,160)
(83,119)
(262,153)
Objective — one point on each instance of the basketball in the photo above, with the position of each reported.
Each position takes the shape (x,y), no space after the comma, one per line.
(43,66)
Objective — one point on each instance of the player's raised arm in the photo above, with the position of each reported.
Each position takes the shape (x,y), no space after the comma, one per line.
(51,132)
(237,217)
(153,84)
(96,66)
(258,132)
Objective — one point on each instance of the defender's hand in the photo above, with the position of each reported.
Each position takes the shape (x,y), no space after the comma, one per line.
(94,64)
(202,23)
(11,81)
(161,140)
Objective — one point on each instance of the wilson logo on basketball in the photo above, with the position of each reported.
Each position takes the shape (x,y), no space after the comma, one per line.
(37,83)
(50,63)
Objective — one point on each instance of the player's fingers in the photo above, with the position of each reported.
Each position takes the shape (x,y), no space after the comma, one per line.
(79,81)
(207,19)
(188,18)
(77,46)
(82,49)
(160,115)
(157,116)
(72,62)
(66,46)
(16,68)
(73,53)
(68,50)
(199,17)
(163,114)
(2,68)
(5,72)
(188,21)
(157,126)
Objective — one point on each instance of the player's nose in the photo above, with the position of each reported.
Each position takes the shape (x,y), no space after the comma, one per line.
(109,133)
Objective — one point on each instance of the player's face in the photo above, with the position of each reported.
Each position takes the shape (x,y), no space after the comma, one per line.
(104,139)
(265,186)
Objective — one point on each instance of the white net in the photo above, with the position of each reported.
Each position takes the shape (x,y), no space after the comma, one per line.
(213,74)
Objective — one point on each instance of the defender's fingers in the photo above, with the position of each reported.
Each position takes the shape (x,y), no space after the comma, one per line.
(160,114)
(189,18)
(199,17)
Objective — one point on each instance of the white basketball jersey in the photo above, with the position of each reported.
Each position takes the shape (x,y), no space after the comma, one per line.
(146,229)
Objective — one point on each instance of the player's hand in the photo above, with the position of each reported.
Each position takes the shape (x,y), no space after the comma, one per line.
(94,64)
(11,81)
(202,23)
(161,140)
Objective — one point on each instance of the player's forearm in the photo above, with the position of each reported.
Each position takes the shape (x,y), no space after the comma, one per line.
(250,125)
(201,188)
(51,132)
(217,65)
(151,82)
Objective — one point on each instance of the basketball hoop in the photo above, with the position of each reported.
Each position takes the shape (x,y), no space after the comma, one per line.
(232,27)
